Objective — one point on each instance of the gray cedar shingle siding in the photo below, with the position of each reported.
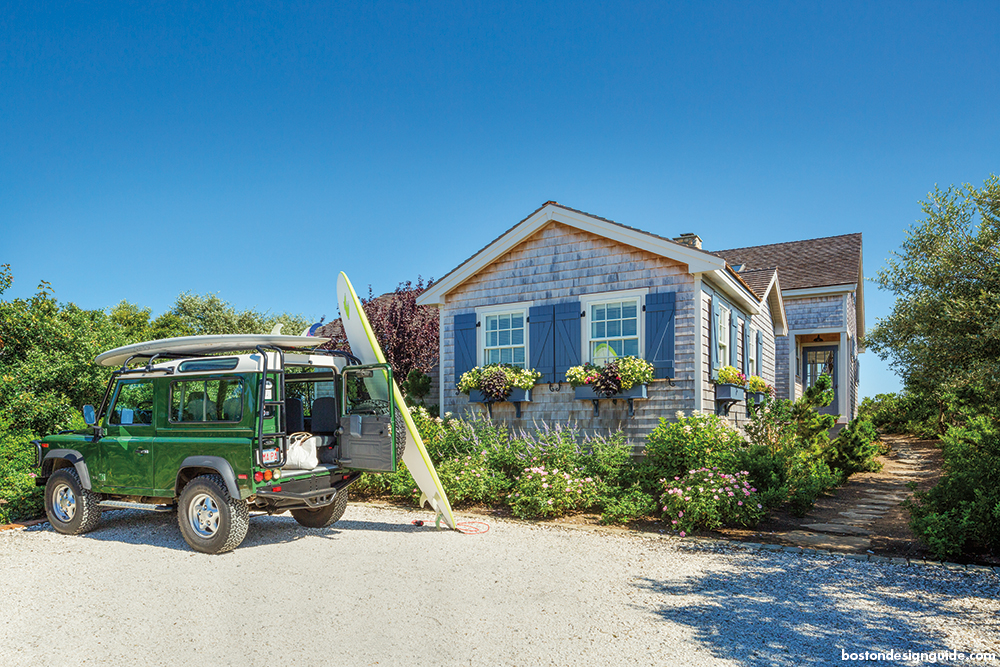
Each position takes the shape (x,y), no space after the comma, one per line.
(561,264)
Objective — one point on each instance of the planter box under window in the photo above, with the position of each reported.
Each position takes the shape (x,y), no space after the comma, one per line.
(726,395)
(755,397)
(587,393)
(517,396)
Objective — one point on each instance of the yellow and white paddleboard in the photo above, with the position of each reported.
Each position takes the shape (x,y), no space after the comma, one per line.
(366,348)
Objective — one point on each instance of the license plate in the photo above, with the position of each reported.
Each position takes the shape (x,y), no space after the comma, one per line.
(270,455)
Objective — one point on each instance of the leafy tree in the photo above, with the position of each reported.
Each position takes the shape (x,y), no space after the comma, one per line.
(406,332)
(196,315)
(943,334)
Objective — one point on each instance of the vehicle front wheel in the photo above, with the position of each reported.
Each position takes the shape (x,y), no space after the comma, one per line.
(71,509)
(321,517)
(211,520)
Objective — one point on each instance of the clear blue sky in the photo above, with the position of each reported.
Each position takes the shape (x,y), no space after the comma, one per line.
(255,151)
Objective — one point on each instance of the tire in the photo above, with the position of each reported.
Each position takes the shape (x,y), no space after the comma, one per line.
(211,520)
(71,509)
(400,430)
(321,517)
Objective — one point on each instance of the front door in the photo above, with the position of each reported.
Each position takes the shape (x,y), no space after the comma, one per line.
(818,361)
(126,449)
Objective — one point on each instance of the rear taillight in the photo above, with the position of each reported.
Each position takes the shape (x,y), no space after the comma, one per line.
(258,476)
(276,489)
(45,444)
(267,475)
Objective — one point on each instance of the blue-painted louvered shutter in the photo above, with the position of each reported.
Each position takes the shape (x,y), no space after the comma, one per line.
(566,339)
(760,354)
(713,333)
(465,344)
(541,347)
(746,349)
(733,328)
(660,310)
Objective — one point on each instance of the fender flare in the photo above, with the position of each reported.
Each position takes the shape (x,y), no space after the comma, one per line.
(74,457)
(216,463)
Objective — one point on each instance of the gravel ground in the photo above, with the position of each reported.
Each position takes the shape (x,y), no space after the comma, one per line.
(376,590)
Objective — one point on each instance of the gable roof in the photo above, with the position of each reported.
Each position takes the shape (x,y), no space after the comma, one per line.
(823,262)
(697,260)
(764,283)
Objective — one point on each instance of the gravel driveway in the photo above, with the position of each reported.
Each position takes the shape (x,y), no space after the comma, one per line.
(376,590)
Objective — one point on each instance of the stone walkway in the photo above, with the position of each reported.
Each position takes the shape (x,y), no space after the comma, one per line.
(842,523)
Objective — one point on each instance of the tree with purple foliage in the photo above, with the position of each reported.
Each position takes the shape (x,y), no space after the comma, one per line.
(407,333)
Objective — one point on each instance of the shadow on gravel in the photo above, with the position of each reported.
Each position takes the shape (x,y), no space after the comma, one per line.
(807,612)
(161,530)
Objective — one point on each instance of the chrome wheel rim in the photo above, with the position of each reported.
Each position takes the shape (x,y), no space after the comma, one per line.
(64,503)
(203,515)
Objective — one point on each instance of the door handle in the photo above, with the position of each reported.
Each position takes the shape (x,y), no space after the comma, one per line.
(142,452)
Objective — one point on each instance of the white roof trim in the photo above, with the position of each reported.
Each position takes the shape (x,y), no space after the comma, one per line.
(781,320)
(735,290)
(820,291)
(696,260)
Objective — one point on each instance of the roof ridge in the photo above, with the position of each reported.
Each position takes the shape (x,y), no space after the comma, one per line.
(768,245)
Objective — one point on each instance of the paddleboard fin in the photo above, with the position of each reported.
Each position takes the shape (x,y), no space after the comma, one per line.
(276,331)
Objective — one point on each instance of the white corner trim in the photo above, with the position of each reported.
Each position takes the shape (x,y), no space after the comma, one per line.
(699,354)
(440,363)
(696,260)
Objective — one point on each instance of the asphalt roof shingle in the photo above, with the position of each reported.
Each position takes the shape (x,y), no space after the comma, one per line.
(832,260)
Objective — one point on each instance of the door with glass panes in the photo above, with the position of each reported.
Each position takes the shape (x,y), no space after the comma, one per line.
(817,361)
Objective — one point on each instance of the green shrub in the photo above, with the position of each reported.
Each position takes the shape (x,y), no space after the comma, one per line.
(630,505)
(470,480)
(854,449)
(548,492)
(674,448)
(21,499)
(963,510)
(809,477)
(902,412)
(707,498)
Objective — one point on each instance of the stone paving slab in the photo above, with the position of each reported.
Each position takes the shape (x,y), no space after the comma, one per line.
(836,529)
(836,543)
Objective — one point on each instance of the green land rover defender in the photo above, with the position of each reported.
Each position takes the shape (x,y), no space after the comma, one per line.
(214,439)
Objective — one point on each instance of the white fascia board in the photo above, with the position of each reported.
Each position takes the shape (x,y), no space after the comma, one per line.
(726,284)
(860,314)
(696,260)
(779,319)
(816,330)
(819,291)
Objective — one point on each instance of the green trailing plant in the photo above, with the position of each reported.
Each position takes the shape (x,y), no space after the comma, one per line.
(497,380)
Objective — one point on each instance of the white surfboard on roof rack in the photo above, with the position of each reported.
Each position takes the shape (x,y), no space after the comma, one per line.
(199,345)
(366,348)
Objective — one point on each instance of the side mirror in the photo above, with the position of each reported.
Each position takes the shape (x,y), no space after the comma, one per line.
(89,416)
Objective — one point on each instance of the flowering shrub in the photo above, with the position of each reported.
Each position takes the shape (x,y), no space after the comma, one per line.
(496,380)
(469,480)
(618,375)
(706,498)
(729,375)
(541,491)
(688,443)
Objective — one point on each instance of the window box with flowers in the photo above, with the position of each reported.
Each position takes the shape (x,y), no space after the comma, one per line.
(622,377)
(494,383)
(757,389)
(730,388)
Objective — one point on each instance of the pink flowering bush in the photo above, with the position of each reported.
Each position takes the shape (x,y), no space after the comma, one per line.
(547,492)
(469,480)
(706,498)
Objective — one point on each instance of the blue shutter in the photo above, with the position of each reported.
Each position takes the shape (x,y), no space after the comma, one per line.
(760,354)
(732,338)
(566,339)
(465,344)
(660,310)
(746,348)
(540,341)
(713,332)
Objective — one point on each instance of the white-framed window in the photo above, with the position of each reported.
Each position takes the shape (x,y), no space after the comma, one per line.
(722,337)
(503,335)
(613,326)
(751,352)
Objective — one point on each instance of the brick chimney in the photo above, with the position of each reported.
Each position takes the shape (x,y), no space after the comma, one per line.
(689,239)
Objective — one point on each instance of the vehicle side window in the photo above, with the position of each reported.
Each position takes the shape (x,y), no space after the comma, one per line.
(206,400)
(133,403)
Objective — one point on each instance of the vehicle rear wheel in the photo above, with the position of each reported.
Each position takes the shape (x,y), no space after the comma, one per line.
(71,509)
(211,520)
(321,517)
